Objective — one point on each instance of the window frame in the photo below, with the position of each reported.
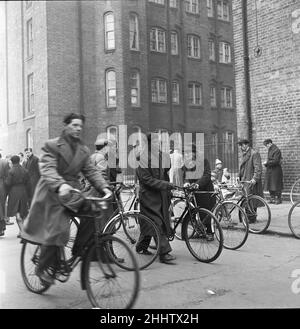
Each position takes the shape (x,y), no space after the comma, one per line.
(160,98)
(108,88)
(138,88)
(211,49)
(30,94)
(107,32)
(223,54)
(190,4)
(173,3)
(29,37)
(213,100)
(156,40)
(131,32)
(225,92)
(191,38)
(210,8)
(158,2)
(176,98)
(174,33)
(220,13)
(194,93)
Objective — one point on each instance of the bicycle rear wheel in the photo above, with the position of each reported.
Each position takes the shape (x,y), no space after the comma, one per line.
(203,235)
(108,285)
(134,224)
(294,219)
(234,224)
(29,260)
(295,192)
(258,213)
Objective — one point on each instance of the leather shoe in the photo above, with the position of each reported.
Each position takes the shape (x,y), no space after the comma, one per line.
(45,278)
(167,259)
(144,252)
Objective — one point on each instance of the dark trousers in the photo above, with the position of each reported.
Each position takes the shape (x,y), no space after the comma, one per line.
(144,242)
(49,257)
(2,225)
(275,194)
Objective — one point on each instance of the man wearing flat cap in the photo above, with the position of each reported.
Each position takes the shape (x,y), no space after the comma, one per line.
(251,168)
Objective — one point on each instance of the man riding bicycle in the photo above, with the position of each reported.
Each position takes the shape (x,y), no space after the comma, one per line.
(48,221)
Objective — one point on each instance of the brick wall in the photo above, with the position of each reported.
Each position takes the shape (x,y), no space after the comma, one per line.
(274,78)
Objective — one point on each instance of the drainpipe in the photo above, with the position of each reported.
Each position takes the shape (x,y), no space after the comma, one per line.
(246,70)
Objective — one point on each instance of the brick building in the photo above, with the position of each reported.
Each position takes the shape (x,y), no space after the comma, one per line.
(267,68)
(150,64)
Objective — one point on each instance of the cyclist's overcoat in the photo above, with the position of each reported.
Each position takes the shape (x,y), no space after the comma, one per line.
(48,221)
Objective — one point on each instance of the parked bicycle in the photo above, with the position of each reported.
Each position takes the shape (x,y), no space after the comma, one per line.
(294,219)
(198,227)
(295,192)
(107,284)
(126,224)
(256,207)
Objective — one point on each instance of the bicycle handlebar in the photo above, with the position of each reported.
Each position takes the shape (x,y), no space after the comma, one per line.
(106,197)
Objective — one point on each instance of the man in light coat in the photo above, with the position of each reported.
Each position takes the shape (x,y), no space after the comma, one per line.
(48,221)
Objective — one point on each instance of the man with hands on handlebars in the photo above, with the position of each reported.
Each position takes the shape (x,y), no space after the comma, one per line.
(48,222)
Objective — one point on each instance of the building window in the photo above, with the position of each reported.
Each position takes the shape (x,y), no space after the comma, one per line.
(193,46)
(111,89)
(28,4)
(213,96)
(29,38)
(174,43)
(223,10)
(229,142)
(175,92)
(134,32)
(160,2)
(173,3)
(192,6)
(29,139)
(135,88)
(210,8)
(195,93)
(158,40)
(109,26)
(159,91)
(224,52)
(211,50)
(30,93)
(226,97)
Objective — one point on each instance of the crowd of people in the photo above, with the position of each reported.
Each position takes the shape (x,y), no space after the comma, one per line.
(19,175)
(37,191)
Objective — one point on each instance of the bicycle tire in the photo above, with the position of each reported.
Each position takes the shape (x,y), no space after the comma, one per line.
(107,273)
(198,243)
(29,260)
(132,222)
(295,192)
(234,223)
(258,222)
(294,220)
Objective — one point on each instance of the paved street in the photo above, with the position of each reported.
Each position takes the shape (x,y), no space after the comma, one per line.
(259,275)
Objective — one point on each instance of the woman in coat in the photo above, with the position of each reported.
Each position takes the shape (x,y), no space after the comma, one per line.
(18,185)
(274,175)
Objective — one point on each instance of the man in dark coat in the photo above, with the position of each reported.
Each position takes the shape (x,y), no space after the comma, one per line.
(48,221)
(154,196)
(31,164)
(251,170)
(18,186)
(274,175)
(4,168)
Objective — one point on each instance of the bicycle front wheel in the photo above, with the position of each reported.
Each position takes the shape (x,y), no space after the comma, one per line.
(108,285)
(203,235)
(131,227)
(295,192)
(294,219)
(258,213)
(30,254)
(234,224)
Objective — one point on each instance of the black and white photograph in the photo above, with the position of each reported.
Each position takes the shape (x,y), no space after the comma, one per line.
(150,157)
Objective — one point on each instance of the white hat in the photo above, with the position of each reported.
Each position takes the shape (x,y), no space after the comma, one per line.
(101,141)
(218,161)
